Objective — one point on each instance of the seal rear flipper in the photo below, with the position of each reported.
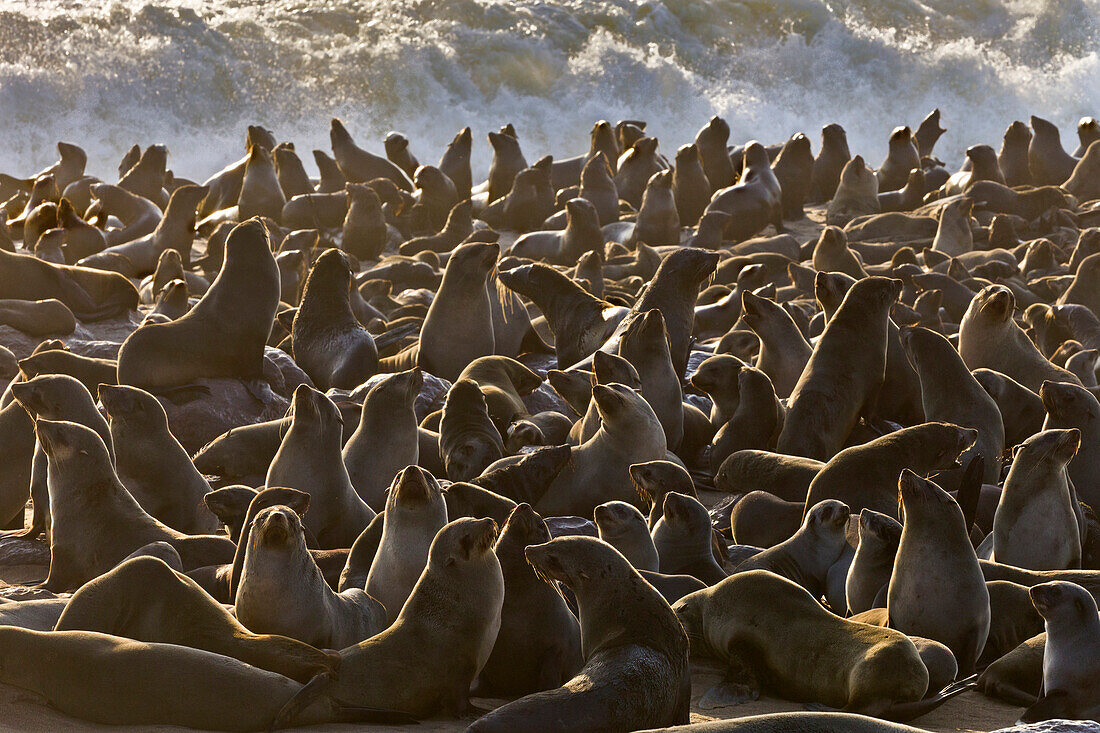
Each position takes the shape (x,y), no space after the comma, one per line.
(1055,704)
(384,340)
(902,712)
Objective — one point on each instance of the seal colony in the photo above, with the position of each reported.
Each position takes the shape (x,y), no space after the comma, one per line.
(288,450)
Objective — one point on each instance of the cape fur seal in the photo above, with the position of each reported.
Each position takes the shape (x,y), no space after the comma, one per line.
(224,334)
(636,669)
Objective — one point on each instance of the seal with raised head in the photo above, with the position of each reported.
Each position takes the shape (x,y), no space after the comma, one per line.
(623,527)
(842,379)
(937,589)
(95,522)
(538,646)
(635,671)
(327,341)
(415,512)
(308,459)
(448,625)
(151,463)
(1036,525)
(754,201)
(856,194)
(224,334)
(873,563)
(829,163)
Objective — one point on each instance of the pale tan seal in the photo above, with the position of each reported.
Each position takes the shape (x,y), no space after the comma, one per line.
(856,195)
(415,512)
(145,600)
(281,590)
(773,632)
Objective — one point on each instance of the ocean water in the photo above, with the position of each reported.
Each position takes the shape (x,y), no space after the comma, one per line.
(193,73)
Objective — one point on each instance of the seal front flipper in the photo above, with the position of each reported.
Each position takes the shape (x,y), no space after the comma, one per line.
(738,687)
(182,394)
(316,689)
(1055,704)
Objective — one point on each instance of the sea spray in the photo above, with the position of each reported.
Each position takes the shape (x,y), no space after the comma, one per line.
(193,74)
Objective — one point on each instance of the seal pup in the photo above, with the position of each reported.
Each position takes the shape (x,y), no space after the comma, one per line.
(448,626)
(856,194)
(754,201)
(538,646)
(683,536)
(598,472)
(278,567)
(937,589)
(623,527)
(756,422)
(819,420)
(468,440)
(1069,656)
(224,334)
(415,513)
(581,234)
(636,670)
(151,463)
(309,459)
(385,441)
(953,235)
(654,480)
(873,563)
(1036,523)
(770,630)
(829,163)
(951,394)
(832,254)
(1048,161)
(990,338)
(327,341)
(95,522)
(146,600)
(807,555)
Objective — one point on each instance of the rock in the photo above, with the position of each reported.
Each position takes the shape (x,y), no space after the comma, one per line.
(228,404)
(1054,726)
(16,551)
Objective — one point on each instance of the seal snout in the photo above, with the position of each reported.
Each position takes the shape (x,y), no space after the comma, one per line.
(276,524)
(1045,597)
(412,486)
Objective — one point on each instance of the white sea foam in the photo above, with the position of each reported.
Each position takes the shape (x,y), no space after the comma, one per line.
(193,74)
